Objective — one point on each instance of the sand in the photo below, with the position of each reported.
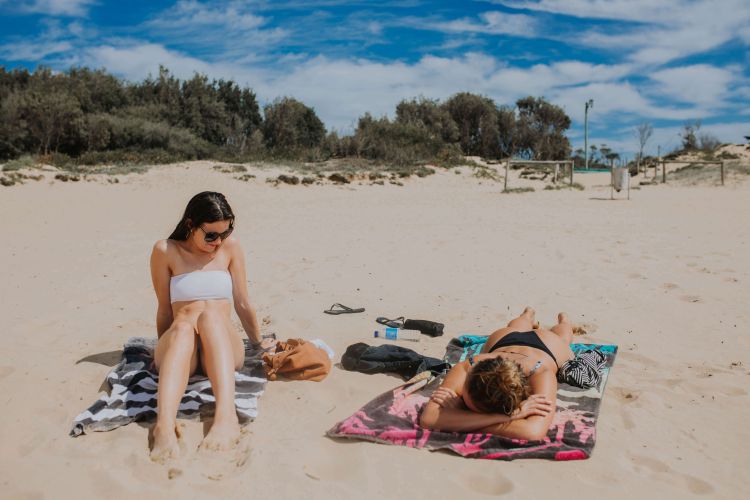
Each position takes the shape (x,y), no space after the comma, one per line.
(666,276)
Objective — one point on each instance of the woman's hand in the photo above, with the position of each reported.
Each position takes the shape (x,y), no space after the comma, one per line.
(447,398)
(537,404)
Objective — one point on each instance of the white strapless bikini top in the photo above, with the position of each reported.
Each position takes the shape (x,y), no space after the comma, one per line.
(200,285)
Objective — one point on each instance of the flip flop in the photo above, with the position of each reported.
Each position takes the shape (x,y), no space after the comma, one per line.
(342,309)
(392,323)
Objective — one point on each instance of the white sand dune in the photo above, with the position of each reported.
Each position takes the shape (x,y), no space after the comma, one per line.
(666,276)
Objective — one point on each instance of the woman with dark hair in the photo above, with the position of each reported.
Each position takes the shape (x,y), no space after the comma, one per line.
(198,273)
(510,388)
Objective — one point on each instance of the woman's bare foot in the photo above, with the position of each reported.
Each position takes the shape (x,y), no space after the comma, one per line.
(530,314)
(563,318)
(166,445)
(223,435)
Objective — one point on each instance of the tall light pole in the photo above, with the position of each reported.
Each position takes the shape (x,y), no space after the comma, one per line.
(589,104)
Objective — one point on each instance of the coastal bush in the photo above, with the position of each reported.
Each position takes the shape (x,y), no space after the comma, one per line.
(399,143)
(25,161)
(92,116)
(290,126)
(476,118)
(541,130)
(428,114)
(557,187)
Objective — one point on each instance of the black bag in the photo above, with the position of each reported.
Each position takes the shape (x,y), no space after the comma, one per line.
(363,358)
(424,326)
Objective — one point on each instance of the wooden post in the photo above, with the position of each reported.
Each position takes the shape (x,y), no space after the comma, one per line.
(644,173)
(557,169)
(663,172)
(572,166)
(658,159)
(507,168)
(722,172)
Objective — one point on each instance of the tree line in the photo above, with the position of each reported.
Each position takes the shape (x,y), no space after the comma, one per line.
(90,116)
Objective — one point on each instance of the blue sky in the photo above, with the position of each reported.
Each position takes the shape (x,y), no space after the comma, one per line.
(663,62)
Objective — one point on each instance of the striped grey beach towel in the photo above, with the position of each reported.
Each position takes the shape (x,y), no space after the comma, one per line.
(133,391)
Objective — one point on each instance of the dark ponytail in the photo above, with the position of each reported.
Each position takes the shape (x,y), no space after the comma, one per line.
(208,206)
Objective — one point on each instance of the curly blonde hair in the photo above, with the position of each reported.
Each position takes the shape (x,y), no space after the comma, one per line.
(497,385)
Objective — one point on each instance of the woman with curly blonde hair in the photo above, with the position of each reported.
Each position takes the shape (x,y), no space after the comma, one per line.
(510,388)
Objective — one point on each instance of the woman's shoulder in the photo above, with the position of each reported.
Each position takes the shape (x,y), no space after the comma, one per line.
(163,247)
(232,245)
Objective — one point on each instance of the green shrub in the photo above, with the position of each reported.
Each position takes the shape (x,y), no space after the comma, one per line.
(25,161)
(558,187)
(519,190)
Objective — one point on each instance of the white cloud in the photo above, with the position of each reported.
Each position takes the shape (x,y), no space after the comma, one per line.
(33,51)
(626,10)
(699,84)
(57,39)
(192,15)
(224,31)
(492,23)
(136,62)
(74,8)
(611,101)
(664,30)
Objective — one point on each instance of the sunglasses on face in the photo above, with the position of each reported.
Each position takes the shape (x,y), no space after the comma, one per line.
(211,236)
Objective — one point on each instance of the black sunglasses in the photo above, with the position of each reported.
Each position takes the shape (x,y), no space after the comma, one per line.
(210,236)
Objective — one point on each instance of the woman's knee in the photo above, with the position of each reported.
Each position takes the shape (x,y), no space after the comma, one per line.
(182,331)
(179,339)
(210,319)
(521,324)
(181,335)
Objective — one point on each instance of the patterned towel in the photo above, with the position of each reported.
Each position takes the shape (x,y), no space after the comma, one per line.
(393,417)
(585,370)
(133,394)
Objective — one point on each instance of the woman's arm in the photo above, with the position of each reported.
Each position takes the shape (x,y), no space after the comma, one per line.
(534,427)
(160,275)
(461,419)
(245,310)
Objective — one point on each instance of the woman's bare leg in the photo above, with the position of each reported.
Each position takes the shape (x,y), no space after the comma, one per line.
(219,362)
(523,323)
(175,358)
(564,328)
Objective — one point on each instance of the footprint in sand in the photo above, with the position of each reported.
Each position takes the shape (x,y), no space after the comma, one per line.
(663,472)
(217,465)
(627,420)
(733,391)
(584,328)
(333,468)
(495,484)
(626,395)
(690,298)
(5,371)
(266,320)
(698,486)
(669,286)
(636,276)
